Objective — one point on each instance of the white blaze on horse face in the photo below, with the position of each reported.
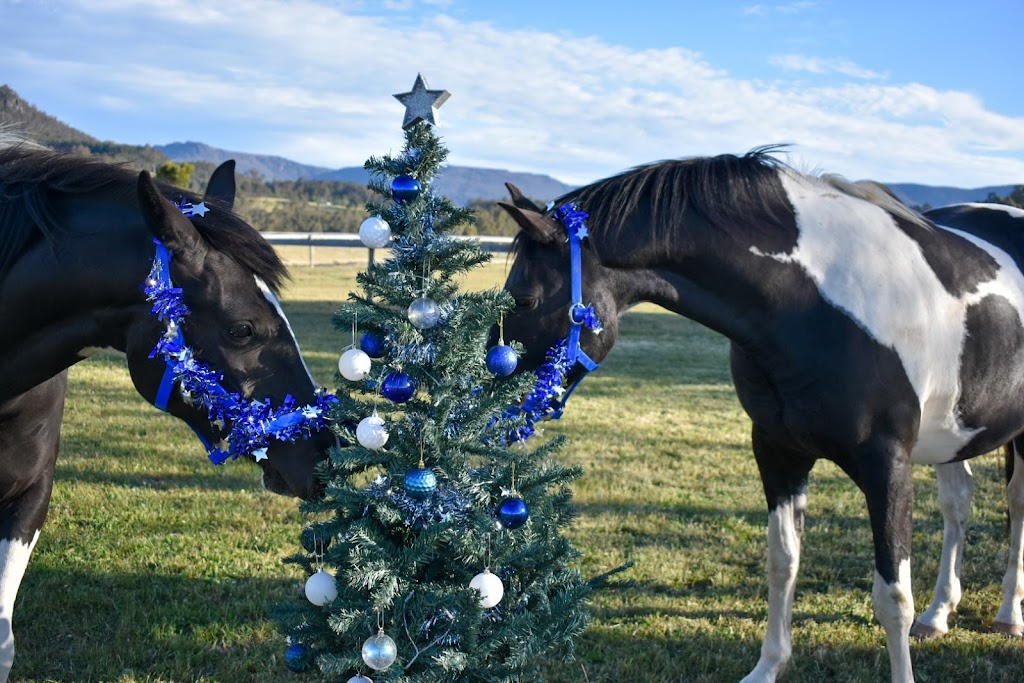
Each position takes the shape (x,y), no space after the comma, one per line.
(14,557)
(269,295)
(868,268)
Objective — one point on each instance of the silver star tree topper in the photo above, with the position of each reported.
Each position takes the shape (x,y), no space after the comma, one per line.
(421,104)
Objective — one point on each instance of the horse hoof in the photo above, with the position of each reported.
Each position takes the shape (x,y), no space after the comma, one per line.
(926,632)
(1012,630)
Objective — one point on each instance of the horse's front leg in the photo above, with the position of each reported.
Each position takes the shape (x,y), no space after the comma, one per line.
(784,476)
(883,474)
(1009,619)
(956,486)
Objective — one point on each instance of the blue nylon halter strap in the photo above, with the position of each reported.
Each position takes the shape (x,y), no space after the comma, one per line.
(580,316)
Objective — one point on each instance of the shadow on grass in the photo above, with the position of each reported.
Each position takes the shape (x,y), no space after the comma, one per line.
(76,627)
(691,654)
(247,480)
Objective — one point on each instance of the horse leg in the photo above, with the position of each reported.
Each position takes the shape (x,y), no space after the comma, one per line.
(784,476)
(29,442)
(1009,619)
(956,486)
(883,474)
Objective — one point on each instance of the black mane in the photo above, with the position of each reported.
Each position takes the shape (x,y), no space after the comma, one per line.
(726,190)
(31,178)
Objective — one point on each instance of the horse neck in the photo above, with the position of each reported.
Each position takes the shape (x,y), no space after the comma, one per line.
(61,302)
(712,278)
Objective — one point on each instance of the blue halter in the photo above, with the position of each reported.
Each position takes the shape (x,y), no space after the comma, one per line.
(580,316)
(253,423)
(547,399)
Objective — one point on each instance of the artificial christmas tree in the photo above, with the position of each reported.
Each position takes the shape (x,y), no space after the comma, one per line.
(441,530)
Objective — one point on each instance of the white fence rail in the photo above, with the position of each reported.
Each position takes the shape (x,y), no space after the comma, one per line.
(343,239)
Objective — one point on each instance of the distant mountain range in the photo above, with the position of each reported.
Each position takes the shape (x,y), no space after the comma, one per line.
(461,184)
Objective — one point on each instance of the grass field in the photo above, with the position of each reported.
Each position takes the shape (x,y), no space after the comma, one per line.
(158,566)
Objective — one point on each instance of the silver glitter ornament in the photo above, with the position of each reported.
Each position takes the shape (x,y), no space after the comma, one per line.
(423,313)
(421,104)
(379,651)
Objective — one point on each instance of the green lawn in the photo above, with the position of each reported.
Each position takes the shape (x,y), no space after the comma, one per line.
(155,565)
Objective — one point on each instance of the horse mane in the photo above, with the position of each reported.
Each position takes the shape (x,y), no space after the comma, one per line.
(31,177)
(726,190)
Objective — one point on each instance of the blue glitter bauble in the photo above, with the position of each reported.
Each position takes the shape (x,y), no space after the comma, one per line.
(502,360)
(405,188)
(398,387)
(372,344)
(296,657)
(420,483)
(512,513)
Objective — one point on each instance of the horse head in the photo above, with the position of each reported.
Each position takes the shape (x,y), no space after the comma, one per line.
(237,328)
(540,280)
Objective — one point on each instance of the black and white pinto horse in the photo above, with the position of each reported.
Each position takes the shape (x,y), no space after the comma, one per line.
(76,245)
(861,332)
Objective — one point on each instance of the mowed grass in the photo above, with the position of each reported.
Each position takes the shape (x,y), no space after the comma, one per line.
(155,565)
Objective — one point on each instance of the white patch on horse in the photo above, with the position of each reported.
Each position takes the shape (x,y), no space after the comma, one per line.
(868,268)
(894,608)
(783,564)
(269,295)
(14,557)
(1012,210)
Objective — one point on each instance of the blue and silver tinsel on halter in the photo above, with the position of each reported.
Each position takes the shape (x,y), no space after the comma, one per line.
(254,423)
(548,398)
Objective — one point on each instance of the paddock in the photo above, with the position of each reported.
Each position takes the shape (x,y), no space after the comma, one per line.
(155,565)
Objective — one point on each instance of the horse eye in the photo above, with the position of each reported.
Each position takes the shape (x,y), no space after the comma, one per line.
(240,330)
(526,302)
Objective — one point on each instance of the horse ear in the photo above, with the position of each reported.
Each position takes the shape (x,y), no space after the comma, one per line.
(520,200)
(534,222)
(222,184)
(166,221)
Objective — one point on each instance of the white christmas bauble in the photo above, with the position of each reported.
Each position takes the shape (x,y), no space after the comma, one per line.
(423,313)
(490,587)
(375,232)
(321,588)
(359,679)
(371,432)
(354,364)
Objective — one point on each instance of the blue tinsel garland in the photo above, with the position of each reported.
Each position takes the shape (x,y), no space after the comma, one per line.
(254,423)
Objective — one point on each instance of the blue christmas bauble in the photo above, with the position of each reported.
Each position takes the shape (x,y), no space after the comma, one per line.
(372,344)
(296,657)
(502,360)
(420,482)
(405,188)
(512,512)
(398,387)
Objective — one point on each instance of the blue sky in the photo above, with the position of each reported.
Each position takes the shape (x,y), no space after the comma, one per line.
(925,92)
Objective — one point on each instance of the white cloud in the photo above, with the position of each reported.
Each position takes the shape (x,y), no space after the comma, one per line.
(311,82)
(819,65)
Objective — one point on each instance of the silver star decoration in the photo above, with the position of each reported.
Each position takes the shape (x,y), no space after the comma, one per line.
(260,454)
(200,209)
(421,104)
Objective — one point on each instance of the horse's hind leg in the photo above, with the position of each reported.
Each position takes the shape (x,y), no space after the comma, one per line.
(956,486)
(29,441)
(784,475)
(1009,619)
